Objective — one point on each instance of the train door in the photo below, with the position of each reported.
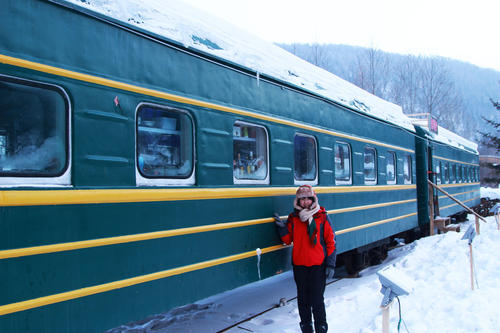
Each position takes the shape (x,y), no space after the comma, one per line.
(432,176)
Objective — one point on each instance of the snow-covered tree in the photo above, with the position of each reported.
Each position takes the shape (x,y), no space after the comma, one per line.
(492,140)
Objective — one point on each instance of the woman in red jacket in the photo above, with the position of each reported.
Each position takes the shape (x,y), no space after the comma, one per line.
(313,256)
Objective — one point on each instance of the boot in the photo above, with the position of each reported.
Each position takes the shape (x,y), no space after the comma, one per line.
(306,328)
(321,328)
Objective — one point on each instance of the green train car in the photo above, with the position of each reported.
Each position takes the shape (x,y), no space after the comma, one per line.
(138,174)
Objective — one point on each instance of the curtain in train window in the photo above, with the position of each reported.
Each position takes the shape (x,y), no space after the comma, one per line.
(249,152)
(164,142)
(370,166)
(342,163)
(33,129)
(390,167)
(305,158)
(407,169)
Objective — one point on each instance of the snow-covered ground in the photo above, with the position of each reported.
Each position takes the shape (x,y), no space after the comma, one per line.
(441,299)
(437,268)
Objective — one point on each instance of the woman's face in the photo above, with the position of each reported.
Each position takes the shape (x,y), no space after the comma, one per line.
(306,202)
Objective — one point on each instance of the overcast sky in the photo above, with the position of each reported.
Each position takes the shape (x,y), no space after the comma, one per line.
(467,30)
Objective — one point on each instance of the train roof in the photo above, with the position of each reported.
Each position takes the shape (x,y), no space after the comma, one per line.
(455,140)
(197,30)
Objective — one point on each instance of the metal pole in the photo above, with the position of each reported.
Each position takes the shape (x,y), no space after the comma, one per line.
(431,210)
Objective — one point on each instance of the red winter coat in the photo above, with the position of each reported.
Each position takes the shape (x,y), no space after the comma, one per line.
(304,252)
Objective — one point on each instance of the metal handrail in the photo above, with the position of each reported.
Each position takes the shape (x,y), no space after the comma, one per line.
(456,200)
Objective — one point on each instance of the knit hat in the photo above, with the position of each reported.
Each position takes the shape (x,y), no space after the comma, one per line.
(306,191)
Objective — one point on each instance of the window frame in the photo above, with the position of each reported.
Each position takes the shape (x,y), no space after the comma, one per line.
(375,166)
(140,179)
(63,179)
(343,181)
(306,182)
(254,181)
(395,181)
(446,173)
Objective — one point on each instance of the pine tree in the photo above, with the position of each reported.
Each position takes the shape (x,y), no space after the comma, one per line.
(492,140)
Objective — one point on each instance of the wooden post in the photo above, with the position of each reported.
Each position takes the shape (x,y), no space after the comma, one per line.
(477,225)
(431,210)
(385,318)
(471,268)
(497,217)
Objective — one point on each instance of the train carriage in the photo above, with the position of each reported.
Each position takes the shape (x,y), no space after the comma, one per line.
(452,163)
(139,174)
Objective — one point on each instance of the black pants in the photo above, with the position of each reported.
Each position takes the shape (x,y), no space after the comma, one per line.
(310,289)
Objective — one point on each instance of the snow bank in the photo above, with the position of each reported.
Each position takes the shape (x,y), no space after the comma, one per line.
(193,28)
(492,193)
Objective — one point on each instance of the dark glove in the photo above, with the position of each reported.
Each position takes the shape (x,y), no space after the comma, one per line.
(277,220)
(329,271)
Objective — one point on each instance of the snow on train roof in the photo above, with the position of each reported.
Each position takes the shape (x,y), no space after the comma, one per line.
(196,29)
(443,135)
(450,138)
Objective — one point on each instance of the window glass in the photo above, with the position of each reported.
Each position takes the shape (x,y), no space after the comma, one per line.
(33,129)
(438,173)
(390,159)
(305,158)
(164,142)
(460,174)
(407,169)
(249,152)
(342,163)
(454,173)
(369,166)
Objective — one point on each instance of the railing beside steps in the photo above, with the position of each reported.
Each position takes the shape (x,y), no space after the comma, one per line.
(442,222)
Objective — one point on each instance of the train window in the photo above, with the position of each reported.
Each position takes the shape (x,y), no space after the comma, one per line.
(305,158)
(446,173)
(34,133)
(454,173)
(249,153)
(438,173)
(342,163)
(407,169)
(370,166)
(460,174)
(390,167)
(165,151)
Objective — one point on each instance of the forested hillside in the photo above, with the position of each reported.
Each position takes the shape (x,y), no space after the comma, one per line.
(457,93)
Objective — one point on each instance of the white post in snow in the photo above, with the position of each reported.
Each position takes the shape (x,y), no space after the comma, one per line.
(385,318)
(477,225)
(471,268)
(470,233)
(497,217)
